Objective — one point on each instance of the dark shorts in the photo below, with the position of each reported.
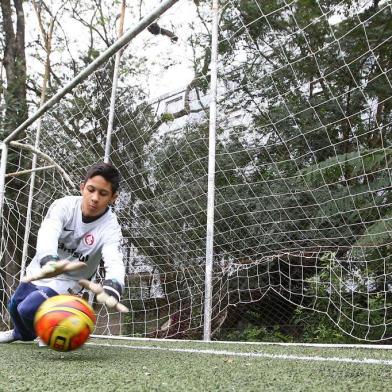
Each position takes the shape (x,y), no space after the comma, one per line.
(23,305)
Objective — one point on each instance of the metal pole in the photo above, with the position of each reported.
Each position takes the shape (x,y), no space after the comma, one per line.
(47,40)
(114,88)
(30,201)
(211,175)
(121,42)
(3,165)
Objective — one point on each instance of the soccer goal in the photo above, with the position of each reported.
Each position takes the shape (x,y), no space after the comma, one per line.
(256,200)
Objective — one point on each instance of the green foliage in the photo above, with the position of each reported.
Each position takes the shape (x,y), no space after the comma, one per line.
(91,55)
(311,172)
(254,333)
(350,295)
(357,163)
(318,328)
(167,117)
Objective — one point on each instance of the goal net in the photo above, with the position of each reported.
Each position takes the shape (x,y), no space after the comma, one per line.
(302,193)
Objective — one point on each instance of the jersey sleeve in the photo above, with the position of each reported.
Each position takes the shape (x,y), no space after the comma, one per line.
(51,228)
(112,255)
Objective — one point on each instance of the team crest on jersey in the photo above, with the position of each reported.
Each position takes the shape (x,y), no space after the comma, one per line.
(89,239)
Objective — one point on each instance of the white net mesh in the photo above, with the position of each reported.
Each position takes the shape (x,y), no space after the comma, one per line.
(302,185)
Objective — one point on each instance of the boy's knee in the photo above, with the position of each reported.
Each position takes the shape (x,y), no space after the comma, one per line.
(12,305)
(20,294)
(27,310)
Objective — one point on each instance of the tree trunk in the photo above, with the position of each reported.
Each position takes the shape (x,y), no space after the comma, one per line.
(14,63)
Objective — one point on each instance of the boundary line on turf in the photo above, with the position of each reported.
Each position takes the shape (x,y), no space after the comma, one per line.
(318,345)
(364,361)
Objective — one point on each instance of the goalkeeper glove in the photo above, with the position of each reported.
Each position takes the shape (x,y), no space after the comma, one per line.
(50,267)
(109,294)
(113,288)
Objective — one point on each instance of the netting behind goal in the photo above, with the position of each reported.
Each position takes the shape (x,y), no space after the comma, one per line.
(302,229)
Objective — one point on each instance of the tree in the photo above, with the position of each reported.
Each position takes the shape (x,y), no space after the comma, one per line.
(13,113)
(14,63)
(309,173)
(82,129)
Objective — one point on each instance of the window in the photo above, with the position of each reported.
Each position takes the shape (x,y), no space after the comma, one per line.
(174,105)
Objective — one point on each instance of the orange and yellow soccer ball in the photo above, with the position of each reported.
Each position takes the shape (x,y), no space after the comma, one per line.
(64,322)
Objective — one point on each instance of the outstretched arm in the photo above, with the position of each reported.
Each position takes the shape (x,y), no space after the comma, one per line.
(54,268)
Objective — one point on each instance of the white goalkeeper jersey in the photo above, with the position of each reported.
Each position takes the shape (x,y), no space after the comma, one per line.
(63,233)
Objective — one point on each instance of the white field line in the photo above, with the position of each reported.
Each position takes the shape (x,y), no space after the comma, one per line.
(319,345)
(364,361)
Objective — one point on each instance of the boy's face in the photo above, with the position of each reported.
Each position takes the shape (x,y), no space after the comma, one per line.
(97,194)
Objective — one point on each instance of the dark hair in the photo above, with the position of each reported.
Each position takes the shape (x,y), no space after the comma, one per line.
(107,171)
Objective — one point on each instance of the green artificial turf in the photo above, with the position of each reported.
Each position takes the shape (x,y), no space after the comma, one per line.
(111,367)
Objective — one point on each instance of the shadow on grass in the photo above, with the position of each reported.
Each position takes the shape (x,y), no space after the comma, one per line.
(83,354)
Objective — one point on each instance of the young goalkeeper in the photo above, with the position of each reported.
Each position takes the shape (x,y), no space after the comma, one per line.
(75,229)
